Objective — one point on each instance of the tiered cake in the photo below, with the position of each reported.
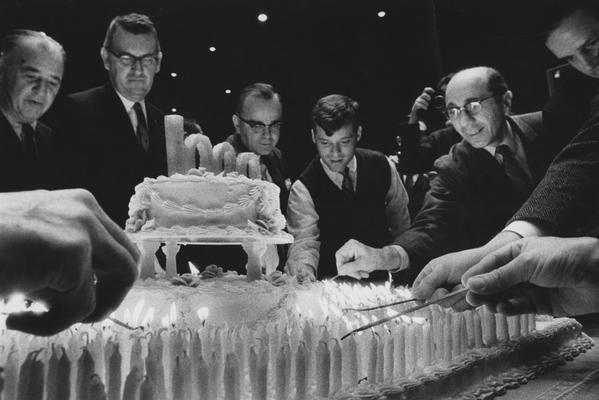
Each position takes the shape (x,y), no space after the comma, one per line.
(216,335)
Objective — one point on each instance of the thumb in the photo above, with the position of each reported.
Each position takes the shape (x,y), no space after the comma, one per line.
(500,279)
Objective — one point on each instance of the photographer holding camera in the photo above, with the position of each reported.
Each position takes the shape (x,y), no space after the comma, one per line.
(427,135)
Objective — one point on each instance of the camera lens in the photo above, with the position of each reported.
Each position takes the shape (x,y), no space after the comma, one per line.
(438,102)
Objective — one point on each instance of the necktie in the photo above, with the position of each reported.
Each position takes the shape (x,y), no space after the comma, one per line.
(29,143)
(347,185)
(513,169)
(142,128)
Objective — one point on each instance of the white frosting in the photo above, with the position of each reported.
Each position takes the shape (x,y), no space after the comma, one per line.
(202,199)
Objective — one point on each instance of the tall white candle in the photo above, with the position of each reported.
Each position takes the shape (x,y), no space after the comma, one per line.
(301,372)
(336,366)
(447,342)
(174,134)
(350,361)
(372,358)
(478,330)
(427,345)
(323,368)
(514,326)
(389,347)
(231,378)
(203,378)
(400,352)
(503,333)
(470,328)
(281,372)
(489,327)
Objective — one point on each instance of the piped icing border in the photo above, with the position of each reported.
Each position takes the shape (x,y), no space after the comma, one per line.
(478,374)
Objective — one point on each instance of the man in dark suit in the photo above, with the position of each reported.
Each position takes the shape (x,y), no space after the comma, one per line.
(118,134)
(479,185)
(257,121)
(565,203)
(31,69)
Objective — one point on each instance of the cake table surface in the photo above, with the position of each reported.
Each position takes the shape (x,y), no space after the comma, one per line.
(575,380)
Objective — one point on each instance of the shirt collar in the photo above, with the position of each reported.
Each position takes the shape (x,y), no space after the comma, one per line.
(17,126)
(511,140)
(129,104)
(353,165)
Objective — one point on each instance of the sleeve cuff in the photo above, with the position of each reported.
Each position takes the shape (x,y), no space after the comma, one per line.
(404,258)
(524,228)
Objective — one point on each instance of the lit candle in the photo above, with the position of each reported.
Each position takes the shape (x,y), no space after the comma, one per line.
(372,358)
(412,347)
(131,389)
(447,342)
(63,376)
(196,353)
(231,378)
(323,369)
(155,373)
(31,378)
(174,135)
(427,345)
(400,351)
(11,375)
(51,377)
(114,372)
(203,380)
(146,389)
(336,367)
(262,373)
(380,360)
(96,389)
(301,372)
(85,370)
(95,348)
(136,359)
(478,330)
(178,389)
(470,328)
(489,328)
(185,362)
(350,366)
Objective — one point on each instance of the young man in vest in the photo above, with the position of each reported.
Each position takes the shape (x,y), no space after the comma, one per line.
(345,192)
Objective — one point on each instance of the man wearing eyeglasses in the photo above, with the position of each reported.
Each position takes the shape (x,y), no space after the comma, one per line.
(258,122)
(565,203)
(480,183)
(116,133)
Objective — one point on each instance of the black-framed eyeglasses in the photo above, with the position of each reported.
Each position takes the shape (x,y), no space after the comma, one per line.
(260,127)
(129,60)
(471,108)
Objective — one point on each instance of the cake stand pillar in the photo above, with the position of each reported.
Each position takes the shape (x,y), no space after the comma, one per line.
(148,250)
(171,249)
(255,251)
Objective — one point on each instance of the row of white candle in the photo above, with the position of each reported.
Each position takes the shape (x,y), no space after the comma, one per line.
(297,358)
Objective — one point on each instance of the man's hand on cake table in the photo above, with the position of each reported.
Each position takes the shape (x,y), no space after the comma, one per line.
(61,249)
(546,275)
(444,274)
(358,260)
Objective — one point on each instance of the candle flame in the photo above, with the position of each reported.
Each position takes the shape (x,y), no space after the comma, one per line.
(173,314)
(149,317)
(203,313)
(137,311)
(193,268)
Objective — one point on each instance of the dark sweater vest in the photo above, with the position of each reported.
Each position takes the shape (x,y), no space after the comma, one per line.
(342,217)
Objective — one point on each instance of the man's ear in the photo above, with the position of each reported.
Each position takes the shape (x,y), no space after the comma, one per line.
(159,61)
(313,136)
(104,54)
(359,133)
(507,102)
(236,121)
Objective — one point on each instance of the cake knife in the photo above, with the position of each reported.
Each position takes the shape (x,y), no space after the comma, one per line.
(451,296)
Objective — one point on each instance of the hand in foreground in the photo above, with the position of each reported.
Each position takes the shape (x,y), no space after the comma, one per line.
(421,103)
(358,260)
(445,273)
(53,246)
(546,275)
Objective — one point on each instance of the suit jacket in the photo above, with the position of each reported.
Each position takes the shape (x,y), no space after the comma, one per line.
(566,201)
(107,154)
(16,174)
(471,198)
(274,164)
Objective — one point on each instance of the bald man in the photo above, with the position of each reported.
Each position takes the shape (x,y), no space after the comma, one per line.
(480,184)
(31,69)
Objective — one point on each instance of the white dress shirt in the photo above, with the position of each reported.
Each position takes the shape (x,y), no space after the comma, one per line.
(302,218)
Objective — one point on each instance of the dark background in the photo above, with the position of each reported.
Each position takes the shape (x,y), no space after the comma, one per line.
(307,49)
